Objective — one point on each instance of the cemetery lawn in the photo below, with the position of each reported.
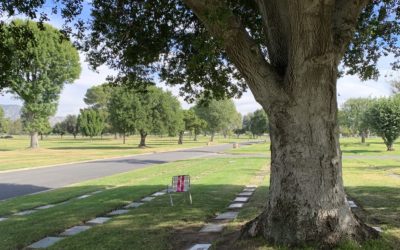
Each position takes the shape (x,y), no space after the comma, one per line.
(371,179)
(14,153)
(349,146)
(215,182)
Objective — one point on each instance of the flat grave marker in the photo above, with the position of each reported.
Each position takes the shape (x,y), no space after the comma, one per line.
(3,218)
(245,194)
(118,212)
(45,207)
(200,247)
(212,228)
(45,242)
(227,216)
(148,198)
(241,199)
(26,212)
(235,205)
(249,189)
(158,194)
(134,205)
(84,196)
(99,220)
(75,230)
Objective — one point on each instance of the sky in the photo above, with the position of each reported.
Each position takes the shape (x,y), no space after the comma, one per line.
(71,98)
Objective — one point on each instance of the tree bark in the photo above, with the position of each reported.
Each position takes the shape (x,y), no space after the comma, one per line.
(297,88)
(212,136)
(124,138)
(180,139)
(390,147)
(306,201)
(143,136)
(34,140)
(195,137)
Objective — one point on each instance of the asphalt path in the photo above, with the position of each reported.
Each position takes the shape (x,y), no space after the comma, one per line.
(13,184)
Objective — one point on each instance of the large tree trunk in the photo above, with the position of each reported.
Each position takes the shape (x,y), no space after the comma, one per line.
(306,201)
(143,136)
(124,138)
(34,140)
(195,137)
(296,86)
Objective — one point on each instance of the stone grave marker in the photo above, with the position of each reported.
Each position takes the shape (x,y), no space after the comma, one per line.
(134,205)
(227,216)
(241,199)
(45,242)
(99,220)
(200,247)
(212,228)
(118,212)
(75,230)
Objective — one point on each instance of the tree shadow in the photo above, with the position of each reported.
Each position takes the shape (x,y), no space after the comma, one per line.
(361,151)
(9,190)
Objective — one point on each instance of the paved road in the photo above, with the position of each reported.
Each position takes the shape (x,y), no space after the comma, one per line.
(24,182)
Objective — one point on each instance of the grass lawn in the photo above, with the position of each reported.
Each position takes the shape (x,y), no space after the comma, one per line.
(214,184)
(349,146)
(14,153)
(371,182)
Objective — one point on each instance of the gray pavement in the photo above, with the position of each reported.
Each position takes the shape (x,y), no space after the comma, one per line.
(30,181)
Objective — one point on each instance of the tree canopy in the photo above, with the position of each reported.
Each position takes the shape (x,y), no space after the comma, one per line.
(219,115)
(353,116)
(38,73)
(258,123)
(145,111)
(91,122)
(384,119)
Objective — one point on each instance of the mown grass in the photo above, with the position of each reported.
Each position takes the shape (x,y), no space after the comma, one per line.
(14,153)
(368,181)
(215,183)
(349,146)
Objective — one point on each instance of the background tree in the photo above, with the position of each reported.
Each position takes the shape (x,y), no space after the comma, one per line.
(288,53)
(90,122)
(59,129)
(384,118)
(352,115)
(193,123)
(123,107)
(16,127)
(145,111)
(71,125)
(38,73)
(258,123)
(219,115)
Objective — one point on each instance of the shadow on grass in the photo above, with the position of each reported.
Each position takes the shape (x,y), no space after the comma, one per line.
(158,225)
(361,151)
(9,190)
(127,147)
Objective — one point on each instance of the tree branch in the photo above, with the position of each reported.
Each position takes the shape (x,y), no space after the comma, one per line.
(276,27)
(345,20)
(241,49)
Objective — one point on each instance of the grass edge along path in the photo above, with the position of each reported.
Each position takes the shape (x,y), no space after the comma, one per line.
(22,231)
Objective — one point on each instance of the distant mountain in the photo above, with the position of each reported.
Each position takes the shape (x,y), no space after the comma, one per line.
(13,112)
